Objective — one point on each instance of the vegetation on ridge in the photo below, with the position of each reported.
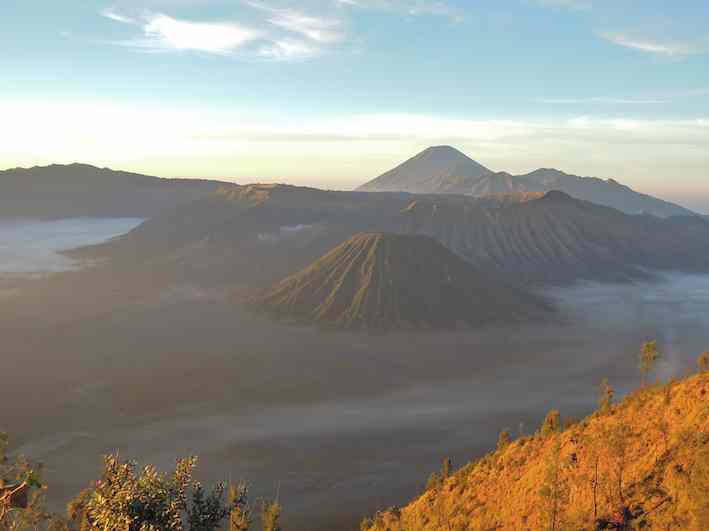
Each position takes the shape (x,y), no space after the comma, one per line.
(126,498)
(639,464)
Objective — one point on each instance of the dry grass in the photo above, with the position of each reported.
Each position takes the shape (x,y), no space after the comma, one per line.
(643,463)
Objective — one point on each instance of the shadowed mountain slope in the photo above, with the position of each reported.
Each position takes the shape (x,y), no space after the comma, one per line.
(557,239)
(445,170)
(81,190)
(381,281)
(641,464)
(260,233)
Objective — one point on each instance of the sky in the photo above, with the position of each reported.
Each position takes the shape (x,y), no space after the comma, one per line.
(331,93)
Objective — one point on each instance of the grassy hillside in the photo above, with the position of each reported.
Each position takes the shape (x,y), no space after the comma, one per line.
(385,281)
(640,464)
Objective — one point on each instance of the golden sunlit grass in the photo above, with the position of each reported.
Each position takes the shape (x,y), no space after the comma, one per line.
(643,463)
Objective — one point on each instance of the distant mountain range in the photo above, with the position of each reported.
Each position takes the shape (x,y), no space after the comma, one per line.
(445,170)
(380,282)
(257,234)
(81,190)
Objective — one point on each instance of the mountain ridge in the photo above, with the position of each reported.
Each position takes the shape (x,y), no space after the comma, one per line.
(427,174)
(83,190)
(526,238)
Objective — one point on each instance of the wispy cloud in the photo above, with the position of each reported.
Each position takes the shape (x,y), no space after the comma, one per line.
(315,28)
(437,8)
(409,7)
(569,4)
(288,50)
(600,101)
(166,32)
(113,15)
(162,32)
(662,98)
(654,46)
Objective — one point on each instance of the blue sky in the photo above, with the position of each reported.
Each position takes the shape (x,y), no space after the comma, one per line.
(332,92)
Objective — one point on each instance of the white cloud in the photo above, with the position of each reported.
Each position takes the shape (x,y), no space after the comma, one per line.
(286,50)
(318,29)
(314,28)
(569,4)
(165,33)
(661,98)
(436,8)
(113,15)
(410,7)
(667,48)
(600,101)
(162,31)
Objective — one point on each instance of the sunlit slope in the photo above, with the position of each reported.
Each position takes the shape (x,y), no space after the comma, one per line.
(642,464)
(557,238)
(385,281)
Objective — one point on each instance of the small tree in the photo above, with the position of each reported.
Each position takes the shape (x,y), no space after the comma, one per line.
(434,481)
(503,441)
(446,468)
(21,499)
(616,441)
(240,515)
(270,516)
(607,393)
(699,488)
(552,423)
(554,490)
(131,500)
(649,354)
(703,362)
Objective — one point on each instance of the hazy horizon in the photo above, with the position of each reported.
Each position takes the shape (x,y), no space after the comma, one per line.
(692,202)
(322,93)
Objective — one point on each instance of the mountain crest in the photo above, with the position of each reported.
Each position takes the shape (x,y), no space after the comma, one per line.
(427,171)
(446,170)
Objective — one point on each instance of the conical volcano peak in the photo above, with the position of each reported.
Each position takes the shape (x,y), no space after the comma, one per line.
(383,281)
(429,171)
(445,150)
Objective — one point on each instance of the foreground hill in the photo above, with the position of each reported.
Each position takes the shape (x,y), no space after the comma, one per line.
(81,190)
(257,234)
(445,170)
(381,281)
(641,464)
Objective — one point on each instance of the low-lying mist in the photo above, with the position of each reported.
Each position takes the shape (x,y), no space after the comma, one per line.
(32,246)
(318,416)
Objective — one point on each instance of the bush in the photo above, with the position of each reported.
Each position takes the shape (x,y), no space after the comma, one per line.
(132,500)
(552,423)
